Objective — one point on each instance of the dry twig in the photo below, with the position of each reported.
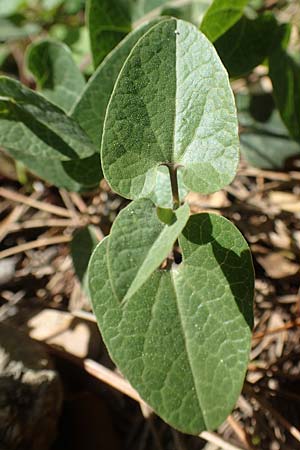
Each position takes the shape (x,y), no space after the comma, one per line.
(44,242)
(14,216)
(239,431)
(269,408)
(291,324)
(16,197)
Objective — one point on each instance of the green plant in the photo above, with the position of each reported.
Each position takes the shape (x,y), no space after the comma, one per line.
(160,106)
(181,335)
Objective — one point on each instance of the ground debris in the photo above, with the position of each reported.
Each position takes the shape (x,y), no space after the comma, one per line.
(264,206)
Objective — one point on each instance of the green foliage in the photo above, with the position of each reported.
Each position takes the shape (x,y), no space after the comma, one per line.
(57,76)
(73,6)
(191,11)
(141,238)
(162,192)
(77,39)
(41,135)
(247,44)
(172,72)
(183,338)
(265,141)
(74,175)
(35,118)
(161,108)
(179,333)
(91,107)
(7,8)
(110,21)
(285,76)
(82,246)
(221,16)
(51,4)
(108,24)
(242,45)
(10,30)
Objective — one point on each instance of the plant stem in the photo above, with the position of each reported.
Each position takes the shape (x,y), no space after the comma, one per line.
(174,184)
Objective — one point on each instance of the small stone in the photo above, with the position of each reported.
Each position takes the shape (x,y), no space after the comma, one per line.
(30,393)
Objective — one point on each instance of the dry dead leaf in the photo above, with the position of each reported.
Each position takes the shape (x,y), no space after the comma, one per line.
(280,237)
(217,200)
(286,201)
(74,335)
(277,266)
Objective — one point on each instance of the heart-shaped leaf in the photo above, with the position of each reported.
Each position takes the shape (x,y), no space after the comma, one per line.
(172,104)
(90,109)
(58,77)
(183,338)
(110,20)
(144,235)
(220,16)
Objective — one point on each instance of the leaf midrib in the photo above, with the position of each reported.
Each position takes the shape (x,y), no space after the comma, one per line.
(175,99)
(130,292)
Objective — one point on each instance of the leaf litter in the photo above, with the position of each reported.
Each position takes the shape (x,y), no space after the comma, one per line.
(42,279)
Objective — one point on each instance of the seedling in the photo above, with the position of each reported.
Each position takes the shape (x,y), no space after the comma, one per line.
(161,108)
(181,336)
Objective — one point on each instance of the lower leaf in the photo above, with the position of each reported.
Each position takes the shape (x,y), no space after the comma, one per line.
(183,338)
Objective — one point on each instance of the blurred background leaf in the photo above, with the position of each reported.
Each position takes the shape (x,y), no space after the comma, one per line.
(265,141)
(57,76)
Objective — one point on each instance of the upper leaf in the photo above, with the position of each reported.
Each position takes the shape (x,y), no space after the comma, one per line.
(144,241)
(220,16)
(172,104)
(57,75)
(110,20)
(183,338)
(90,109)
